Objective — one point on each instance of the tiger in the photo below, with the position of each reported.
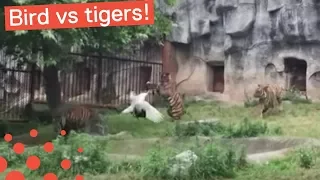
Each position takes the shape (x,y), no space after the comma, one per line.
(82,118)
(270,96)
(176,106)
(167,89)
(153,87)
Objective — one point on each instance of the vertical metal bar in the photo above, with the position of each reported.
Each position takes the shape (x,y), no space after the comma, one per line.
(32,82)
(98,90)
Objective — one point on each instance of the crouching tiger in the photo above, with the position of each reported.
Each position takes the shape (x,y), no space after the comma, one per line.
(82,119)
(270,96)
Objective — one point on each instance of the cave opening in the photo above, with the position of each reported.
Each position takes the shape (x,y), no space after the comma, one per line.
(218,78)
(296,72)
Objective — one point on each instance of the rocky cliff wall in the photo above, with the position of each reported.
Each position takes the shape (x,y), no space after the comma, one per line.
(252,38)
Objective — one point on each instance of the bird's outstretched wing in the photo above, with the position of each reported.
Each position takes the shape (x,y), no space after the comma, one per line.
(151,113)
(128,109)
(142,96)
(132,95)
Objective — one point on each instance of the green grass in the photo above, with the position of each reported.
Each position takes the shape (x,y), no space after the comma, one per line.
(298,120)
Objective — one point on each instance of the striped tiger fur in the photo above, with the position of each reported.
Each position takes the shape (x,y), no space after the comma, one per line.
(176,106)
(82,118)
(168,89)
(270,96)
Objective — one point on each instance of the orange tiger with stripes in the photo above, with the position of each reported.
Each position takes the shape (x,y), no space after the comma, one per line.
(82,118)
(167,89)
(270,96)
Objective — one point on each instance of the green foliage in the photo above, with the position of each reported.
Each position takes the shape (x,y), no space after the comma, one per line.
(245,128)
(170,2)
(56,44)
(157,163)
(213,161)
(92,160)
(294,95)
(306,158)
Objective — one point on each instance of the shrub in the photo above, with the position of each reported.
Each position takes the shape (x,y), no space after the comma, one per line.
(213,161)
(295,96)
(92,160)
(245,128)
(306,158)
(157,163)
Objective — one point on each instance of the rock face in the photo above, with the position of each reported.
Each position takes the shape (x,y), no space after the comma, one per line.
(255,41)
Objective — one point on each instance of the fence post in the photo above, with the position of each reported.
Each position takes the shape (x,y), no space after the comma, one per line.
(99,79)
(32,79)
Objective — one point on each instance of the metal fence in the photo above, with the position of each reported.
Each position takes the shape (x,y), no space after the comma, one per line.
(92,79)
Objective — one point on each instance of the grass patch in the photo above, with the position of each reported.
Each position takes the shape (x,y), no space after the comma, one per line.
(164,139)
(245,128)
(299,164)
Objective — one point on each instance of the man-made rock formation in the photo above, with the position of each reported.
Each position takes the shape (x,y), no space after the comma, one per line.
(245,42)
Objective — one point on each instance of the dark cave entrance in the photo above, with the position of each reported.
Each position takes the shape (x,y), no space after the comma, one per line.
(296,72)
(218,78)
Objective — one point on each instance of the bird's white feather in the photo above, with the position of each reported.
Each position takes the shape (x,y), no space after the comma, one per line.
(151,113)
(141,97)
(139,103)
(128,109)
(132,95)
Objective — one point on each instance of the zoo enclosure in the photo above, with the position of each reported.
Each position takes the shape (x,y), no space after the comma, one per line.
(92,79)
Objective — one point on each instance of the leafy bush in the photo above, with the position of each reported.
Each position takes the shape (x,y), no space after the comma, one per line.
(157,164)
(213,161)
(245,128)
(193,129)
(306,158)
(295,96)
(92,160)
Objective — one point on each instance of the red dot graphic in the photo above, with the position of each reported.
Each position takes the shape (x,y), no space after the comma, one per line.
(3,164)
(8,137)
(80,150)
(63,132)
(33,133)
(33,162)
(79,177)
(65,164)
(48,147)
(14,175)
(18,148)
(50,176)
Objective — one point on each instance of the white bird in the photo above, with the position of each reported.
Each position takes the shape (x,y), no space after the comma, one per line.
(140,107)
